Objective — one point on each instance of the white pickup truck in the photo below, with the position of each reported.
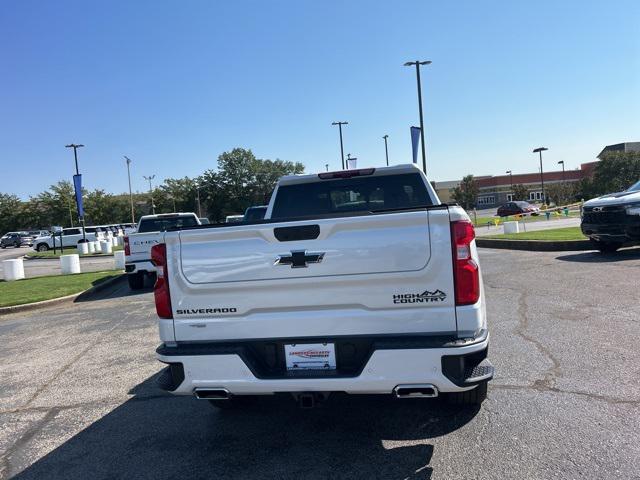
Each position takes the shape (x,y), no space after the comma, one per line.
(137,246)
(357,281)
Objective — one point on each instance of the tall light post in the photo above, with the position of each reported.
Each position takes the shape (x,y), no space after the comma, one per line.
(561,162)
(326,166)
(508,172)
(153,207)
(540,150)
(133,217)
(386,150)
(75,147)
(417,64)
(341,146)
(198,198)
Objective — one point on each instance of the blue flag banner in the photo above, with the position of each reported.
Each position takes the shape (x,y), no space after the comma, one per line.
(77,185)
(415,140)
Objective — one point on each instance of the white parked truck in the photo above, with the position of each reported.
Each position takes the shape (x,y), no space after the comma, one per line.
(357,281)
(137,246)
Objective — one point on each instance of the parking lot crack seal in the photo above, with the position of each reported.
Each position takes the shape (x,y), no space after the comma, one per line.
(537,386)
(91,345)
(552,373)
(6,467)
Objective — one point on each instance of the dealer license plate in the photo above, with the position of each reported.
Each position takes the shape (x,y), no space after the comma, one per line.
(310,356)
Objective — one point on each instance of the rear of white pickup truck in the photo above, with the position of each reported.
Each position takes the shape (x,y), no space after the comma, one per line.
(357,282)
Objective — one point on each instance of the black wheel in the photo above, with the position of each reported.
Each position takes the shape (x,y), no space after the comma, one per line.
(43,247)
(470,397)
(136,280)
(3,246)
(606,247)
(17,244)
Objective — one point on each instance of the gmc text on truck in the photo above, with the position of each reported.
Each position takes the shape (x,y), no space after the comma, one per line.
(357,281)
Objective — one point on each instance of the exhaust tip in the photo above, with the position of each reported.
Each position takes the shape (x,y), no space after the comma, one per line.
(212,393)
(421,390)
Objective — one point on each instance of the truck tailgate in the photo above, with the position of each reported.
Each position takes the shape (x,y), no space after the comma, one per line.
(383,273)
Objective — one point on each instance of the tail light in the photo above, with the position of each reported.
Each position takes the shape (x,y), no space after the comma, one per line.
(161,288)
(127,249)
(466,276)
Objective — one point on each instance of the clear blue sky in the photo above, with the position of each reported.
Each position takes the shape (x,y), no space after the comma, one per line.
(173,84)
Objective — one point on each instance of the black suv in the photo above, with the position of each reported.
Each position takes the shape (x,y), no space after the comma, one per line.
(613,221)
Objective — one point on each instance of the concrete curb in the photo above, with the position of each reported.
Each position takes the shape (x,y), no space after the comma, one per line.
(55,301)
(535,245)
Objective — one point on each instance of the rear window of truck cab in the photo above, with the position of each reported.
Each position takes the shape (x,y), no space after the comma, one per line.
(355,194)
(162,224)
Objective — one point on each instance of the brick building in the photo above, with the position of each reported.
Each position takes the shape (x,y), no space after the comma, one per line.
(496,190)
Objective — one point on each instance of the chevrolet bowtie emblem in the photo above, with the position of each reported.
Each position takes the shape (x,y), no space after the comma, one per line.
(299,258)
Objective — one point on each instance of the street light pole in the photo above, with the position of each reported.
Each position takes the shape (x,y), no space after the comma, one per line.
(562,162)
(386,150)
(417,64)
(510,178)
(75,156)
(341,146)
(326,166)
(198,197)
(133,217)
(540,150)
(153,207)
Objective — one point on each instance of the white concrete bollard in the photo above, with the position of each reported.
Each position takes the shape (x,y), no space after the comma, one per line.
(511,227)
(83,248)
(119,259)
(70,264)
(114,241)
(13,269)
(96,247)
(106,247)
(92,247)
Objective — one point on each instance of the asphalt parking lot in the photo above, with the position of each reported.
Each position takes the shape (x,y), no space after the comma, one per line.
(78,398)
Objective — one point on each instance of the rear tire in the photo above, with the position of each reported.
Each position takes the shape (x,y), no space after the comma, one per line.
(42,247)
(136,280)
(606,247)
(470,397)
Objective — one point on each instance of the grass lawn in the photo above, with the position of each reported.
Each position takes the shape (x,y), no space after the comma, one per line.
(67,250)
(554,234)
(45,288)
(482,221)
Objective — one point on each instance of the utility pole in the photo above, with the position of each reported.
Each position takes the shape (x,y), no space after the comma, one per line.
(386,150)
(80,214)
(417,64)
(540,150)
(133,217)
(341,146)
(153,207)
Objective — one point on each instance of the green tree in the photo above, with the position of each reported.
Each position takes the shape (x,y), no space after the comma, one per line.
(466,194)
(10,206)
(520,192)
(561,193)
(616,171)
